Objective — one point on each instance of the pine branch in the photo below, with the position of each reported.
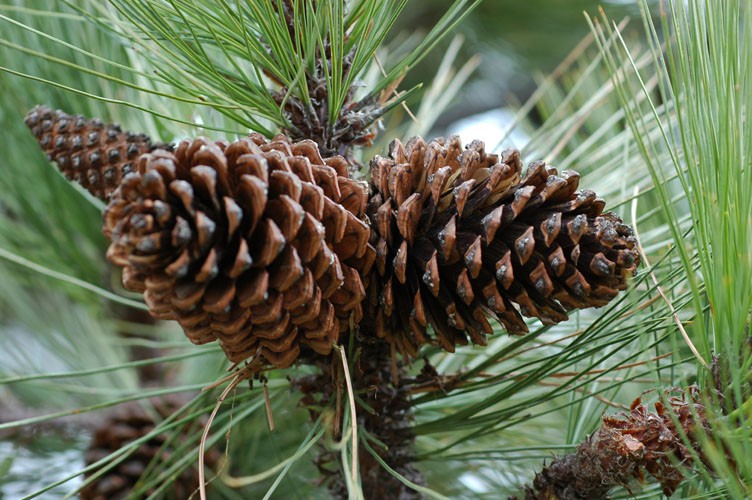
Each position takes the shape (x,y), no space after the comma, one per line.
(276,65)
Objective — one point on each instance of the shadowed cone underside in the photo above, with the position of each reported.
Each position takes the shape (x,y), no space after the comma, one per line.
(126,424)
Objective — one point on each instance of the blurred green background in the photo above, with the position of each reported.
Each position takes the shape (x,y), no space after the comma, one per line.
(519,43)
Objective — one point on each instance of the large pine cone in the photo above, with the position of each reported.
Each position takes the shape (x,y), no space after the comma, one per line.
(126,424)
(93,154)
(258,245)
(460,236)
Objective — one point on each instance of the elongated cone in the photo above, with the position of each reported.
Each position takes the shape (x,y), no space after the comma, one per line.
(260,245)
(89,152)
(462,236)
(128,423)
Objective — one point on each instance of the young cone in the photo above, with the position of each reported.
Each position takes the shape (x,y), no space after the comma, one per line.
(260,245)
(89,152)
(460,236)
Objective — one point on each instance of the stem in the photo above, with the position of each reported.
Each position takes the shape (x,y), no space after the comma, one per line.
(384,414)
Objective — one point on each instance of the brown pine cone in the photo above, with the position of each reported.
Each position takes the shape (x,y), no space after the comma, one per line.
(628,447)
(126,424)
(461,236)
(89,152)
(260,245)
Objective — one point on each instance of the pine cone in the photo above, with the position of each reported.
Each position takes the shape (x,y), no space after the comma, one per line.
(126,424)
(89,152)
(259,245)
(664,443)
(461,236)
